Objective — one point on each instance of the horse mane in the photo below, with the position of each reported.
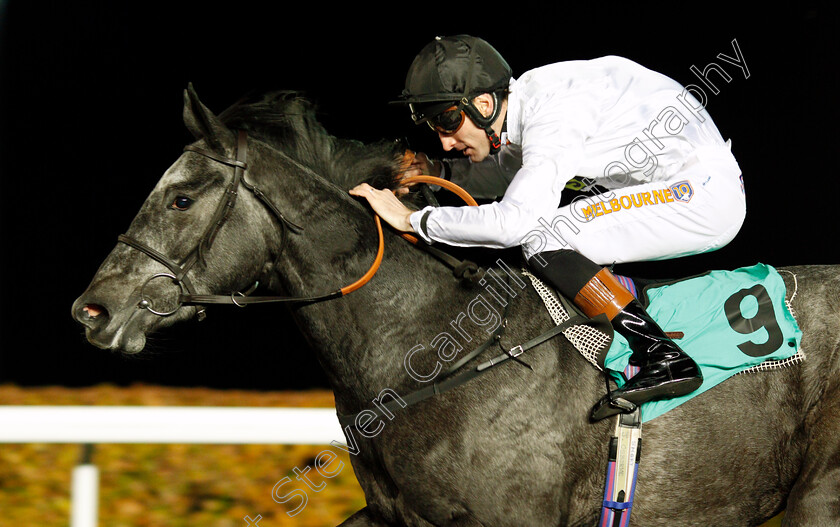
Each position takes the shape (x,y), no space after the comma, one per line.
(288,121)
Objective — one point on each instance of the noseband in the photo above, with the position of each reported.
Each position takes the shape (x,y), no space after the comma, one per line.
(178,270)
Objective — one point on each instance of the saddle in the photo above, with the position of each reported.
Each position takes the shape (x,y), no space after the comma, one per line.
(730,322)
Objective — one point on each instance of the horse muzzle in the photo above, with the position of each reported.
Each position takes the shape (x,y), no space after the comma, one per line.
(114,325)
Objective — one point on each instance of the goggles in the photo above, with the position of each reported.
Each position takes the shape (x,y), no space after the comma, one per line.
(446,118)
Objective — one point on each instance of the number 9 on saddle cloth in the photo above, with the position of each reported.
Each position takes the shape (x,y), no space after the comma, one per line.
(729,322)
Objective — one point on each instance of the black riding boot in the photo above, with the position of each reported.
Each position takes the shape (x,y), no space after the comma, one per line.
(665,370)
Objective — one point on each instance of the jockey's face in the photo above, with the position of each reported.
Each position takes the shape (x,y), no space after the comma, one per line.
(471,140)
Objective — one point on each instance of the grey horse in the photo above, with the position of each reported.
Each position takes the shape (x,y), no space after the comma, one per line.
(512,448)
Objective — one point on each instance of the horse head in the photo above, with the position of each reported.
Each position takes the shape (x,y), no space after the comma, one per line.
(221,219)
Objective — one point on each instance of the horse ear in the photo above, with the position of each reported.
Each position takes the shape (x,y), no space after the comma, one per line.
(202,123)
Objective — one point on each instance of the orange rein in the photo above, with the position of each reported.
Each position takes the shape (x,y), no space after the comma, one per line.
(373,268)
(431,180)
(448,185)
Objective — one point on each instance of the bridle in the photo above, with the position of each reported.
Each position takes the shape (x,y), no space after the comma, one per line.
(179,270)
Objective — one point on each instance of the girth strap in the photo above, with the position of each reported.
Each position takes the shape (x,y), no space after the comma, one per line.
(451,380)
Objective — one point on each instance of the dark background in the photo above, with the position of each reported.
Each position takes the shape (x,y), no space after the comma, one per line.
(90,117)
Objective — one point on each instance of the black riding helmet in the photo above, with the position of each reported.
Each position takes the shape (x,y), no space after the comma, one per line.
(445,77)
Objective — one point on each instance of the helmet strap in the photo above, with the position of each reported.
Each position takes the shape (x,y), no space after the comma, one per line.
(495,140)
(486,122)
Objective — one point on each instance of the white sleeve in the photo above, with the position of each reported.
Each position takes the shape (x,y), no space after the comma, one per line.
(553,136)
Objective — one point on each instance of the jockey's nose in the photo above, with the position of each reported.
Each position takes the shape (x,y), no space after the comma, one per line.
(447,141)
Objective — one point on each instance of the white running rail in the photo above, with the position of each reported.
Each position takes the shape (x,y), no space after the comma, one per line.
(89,425)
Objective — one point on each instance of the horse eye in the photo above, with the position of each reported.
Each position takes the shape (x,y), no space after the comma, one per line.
(181,203)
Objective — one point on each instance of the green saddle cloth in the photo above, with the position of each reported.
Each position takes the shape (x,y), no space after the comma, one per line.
(729,320)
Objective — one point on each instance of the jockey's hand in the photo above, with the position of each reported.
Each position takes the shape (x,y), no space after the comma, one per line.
(386,205)
(420,166)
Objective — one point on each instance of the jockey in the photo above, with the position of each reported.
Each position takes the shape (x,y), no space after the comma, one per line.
(673,187)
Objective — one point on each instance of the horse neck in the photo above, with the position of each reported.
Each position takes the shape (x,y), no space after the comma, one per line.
(360,338)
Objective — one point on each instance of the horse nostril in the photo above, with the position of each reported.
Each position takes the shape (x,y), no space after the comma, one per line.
(91,314)
(93,310)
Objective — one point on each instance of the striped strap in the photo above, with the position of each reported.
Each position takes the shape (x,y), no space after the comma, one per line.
(622,470)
